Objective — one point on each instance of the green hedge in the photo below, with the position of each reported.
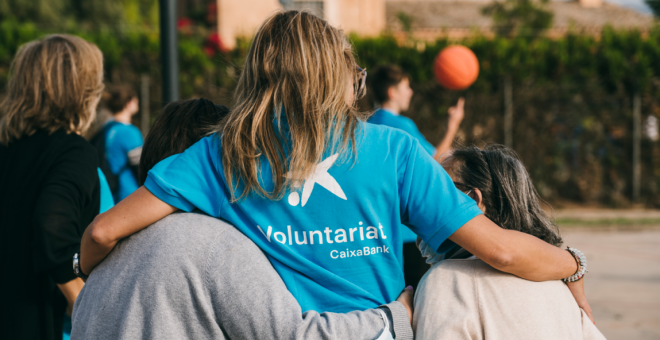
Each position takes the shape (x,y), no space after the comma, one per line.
(572,96)
(616,58)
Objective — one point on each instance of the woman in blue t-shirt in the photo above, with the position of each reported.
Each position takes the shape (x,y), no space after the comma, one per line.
(321,192)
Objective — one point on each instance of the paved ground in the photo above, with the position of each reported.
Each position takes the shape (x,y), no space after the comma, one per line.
(623,284)
(598,214)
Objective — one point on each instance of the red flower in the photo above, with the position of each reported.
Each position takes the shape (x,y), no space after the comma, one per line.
(209,51)
(214,43)
(183,23)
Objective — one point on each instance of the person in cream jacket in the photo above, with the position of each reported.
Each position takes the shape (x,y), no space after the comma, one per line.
(462,297)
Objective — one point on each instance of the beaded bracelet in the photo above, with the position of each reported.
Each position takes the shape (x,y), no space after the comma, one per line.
(581,262)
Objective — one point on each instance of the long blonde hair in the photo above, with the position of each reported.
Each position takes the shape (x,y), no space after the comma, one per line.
(54,83)
(299,67)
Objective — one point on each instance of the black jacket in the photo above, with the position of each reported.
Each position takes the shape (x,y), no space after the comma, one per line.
(49,193)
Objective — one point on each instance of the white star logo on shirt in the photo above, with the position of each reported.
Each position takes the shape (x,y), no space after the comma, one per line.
(319,176)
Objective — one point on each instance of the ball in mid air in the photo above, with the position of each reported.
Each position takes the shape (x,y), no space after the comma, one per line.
(456,67)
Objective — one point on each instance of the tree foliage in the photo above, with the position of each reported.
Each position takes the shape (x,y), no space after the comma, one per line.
(655,7)
(519,17)
(88,14)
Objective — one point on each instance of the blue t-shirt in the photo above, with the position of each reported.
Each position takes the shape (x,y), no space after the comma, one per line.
(107,201)
(336,239)
(387,118)
(120,139)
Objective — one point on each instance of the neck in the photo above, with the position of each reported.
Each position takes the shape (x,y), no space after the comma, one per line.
(391,107)
(123,117)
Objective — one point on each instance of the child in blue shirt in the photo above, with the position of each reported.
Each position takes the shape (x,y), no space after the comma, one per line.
(321,192)
(391,89)
(123,140)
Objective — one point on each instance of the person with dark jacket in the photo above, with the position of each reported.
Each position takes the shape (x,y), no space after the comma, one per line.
(49,185)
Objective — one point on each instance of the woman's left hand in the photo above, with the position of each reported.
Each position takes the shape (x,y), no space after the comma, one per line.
(407,299)
(577,289)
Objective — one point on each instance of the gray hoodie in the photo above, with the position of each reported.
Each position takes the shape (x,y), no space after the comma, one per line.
(190,276)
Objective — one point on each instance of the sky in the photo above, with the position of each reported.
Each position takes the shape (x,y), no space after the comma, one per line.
(638,5)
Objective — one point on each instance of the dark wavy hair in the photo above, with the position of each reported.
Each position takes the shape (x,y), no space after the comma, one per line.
(509,196)
(180,125)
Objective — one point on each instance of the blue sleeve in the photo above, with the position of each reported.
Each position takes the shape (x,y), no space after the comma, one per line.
(431,206)
(192,179)
(131,139)
(121,139)
(410,127)
(107,201)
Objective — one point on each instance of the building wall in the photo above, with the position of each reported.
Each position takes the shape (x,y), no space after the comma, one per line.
(238,18)
(242,17)
(363,17)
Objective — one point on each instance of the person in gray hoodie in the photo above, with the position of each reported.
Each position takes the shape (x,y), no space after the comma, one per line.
(197,277)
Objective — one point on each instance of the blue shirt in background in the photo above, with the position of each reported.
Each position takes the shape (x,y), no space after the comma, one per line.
(107,201)
(336,238)
(120,139)
(391,119)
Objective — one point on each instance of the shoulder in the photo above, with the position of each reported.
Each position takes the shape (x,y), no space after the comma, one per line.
(209,147)
(192,228)
(384,141)
(386,132)
(128,129)
(123,130)
(195,239)
(180,240)
(454,269)
(71,139)
(181,225)
(484,275)
(397,121)
(73,146)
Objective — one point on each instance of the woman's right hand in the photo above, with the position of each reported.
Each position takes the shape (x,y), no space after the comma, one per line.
(134,213)
(407,300)
(577,289)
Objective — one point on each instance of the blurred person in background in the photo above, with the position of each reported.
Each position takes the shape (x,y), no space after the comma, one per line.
(462,297)
(390,86)
(119,142)
(49,184)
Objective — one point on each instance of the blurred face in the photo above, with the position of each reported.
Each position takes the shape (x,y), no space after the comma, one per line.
(133,106)
(474,193)
(401,94)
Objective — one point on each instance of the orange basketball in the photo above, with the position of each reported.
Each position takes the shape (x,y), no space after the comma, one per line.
(456,67)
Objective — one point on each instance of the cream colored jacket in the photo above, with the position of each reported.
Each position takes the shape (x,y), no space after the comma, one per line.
(468,299)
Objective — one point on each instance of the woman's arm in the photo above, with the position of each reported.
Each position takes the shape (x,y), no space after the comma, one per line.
(520,254)
(134,213)
(71,290)
(514,252)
